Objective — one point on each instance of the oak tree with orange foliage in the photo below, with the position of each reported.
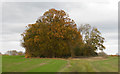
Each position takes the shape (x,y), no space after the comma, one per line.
(54,34)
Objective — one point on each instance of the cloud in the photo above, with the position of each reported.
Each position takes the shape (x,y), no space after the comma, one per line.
(9,28)
(97,1)
(110,51)
(11,45)
(101,14)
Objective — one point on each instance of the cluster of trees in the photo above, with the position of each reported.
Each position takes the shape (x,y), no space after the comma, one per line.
(56,35)
(102,54)
(92,41)
(0,53)
(14,52)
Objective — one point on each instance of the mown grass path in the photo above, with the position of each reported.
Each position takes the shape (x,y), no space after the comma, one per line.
(93,65)
(21,64)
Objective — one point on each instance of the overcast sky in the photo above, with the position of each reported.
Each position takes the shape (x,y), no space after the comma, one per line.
(102,14)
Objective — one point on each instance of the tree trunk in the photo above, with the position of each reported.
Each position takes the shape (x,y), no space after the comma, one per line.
(71,50)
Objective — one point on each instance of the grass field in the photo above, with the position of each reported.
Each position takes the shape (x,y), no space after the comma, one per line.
(21,64)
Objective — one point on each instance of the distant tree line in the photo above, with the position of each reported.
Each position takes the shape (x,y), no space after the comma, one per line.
(56,35)
(14,52)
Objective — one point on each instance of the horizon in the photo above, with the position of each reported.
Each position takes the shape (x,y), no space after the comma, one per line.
(94,13)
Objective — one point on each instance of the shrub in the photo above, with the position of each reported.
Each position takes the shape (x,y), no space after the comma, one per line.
(102,54)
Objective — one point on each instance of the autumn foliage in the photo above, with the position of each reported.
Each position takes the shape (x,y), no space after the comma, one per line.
(53,35)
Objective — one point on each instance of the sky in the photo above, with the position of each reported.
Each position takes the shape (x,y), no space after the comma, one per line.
(102,14)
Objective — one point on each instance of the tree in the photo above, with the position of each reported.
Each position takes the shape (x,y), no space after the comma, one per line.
(20,53)
(0,53)
(103,54)
(92,39)
(53,35)
(96,39)
(12,52)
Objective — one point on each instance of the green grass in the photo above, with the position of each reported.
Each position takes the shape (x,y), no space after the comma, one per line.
(0,64)
(92,65)
(21,64)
